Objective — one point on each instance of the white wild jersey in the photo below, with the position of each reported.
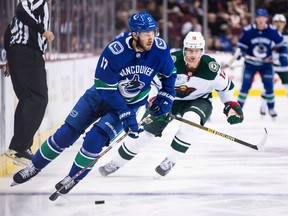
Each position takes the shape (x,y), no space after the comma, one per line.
(200,83)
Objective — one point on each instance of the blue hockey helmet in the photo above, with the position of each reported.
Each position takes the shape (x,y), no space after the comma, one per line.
(261,12)
(143,22)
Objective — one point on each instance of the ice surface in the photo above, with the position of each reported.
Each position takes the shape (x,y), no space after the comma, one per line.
(216,177)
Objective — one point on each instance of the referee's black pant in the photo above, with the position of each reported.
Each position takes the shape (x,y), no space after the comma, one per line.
(28,75)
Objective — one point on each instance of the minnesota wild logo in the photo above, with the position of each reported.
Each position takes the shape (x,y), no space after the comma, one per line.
(214,66)
(183,91)
(148,120)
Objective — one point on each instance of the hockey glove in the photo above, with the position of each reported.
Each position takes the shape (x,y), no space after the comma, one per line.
(233,112)
(130,124)
(162,104)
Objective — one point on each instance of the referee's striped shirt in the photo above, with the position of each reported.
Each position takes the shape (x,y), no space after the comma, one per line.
(29,23)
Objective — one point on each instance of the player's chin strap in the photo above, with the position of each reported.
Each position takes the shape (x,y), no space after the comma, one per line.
(256,147)
(56,194)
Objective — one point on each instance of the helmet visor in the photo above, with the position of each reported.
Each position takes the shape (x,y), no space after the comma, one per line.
(148,34)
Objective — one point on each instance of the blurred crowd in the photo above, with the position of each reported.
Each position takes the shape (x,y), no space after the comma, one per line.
(72,21)
(226,19)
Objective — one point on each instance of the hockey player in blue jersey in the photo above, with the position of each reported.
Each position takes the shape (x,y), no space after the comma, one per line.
(198,74)
(122,80)
(256,44)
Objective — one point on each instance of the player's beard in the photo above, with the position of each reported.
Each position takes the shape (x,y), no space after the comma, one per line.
(141,46)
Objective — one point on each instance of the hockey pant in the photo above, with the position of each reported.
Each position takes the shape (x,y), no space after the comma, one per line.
(80,118)
(197,111)
(267,76)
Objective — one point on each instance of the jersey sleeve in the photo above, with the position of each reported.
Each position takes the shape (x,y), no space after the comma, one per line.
(106,80)
(167,73)
(281,44)
(243,42)
(25,13)
(224,87)
(168,82)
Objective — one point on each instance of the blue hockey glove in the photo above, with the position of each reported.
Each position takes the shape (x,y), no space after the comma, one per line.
(162,104)
(233,112)
(130,124)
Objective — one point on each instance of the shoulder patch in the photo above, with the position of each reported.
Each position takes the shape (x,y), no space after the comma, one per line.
(213,66)
(247,28)
(272,27)
(116,47)
(174,58)
(160,43)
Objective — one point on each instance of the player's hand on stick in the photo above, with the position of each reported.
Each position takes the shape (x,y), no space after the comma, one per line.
(162,104)
(233,112)
(130,124)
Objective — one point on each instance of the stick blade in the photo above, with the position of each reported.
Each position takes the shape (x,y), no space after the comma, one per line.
(263,140)
(54,196)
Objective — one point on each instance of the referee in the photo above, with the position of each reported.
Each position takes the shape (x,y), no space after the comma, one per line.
(25,41)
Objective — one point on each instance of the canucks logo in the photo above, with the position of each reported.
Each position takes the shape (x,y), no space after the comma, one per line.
(73,113)
(260,51)
(130,88)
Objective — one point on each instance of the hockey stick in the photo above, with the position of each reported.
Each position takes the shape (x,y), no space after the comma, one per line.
(256,147)
(236,54)
(56,194)
(253,58)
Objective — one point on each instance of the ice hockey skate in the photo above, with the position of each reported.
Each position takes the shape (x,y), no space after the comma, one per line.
(23,157)
(24,175)
(263,110)
(67,185)
(165,167)
(108,169)
(272,113)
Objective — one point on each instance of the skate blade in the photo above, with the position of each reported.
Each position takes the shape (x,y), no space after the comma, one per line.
(55,196)
(157,176)
(16,160)
(17,163)
(13,184)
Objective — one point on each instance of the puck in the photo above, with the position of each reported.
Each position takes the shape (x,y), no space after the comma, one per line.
(99,202)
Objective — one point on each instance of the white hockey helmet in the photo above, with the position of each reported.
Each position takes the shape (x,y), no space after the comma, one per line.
(279,17)
(194,40)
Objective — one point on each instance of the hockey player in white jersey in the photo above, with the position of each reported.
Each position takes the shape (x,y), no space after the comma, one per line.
(122,80)
(197,76)
(279,20)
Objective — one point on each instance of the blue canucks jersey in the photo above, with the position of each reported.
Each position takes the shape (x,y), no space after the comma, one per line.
(123,76)
(260,43)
